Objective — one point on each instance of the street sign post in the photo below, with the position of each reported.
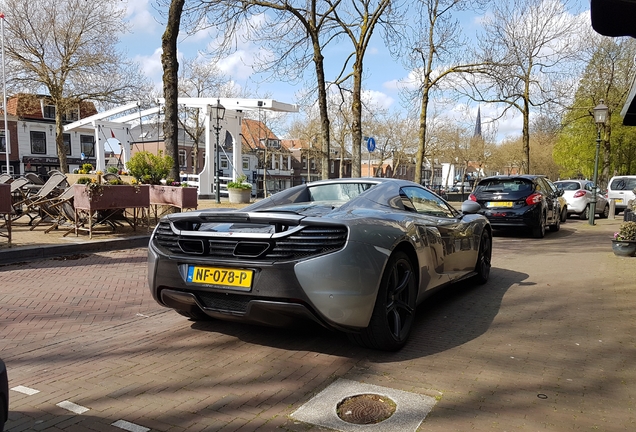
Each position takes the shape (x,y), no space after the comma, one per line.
(370,147)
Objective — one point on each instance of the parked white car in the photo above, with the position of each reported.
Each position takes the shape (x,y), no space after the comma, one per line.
(578,194)
(621,190)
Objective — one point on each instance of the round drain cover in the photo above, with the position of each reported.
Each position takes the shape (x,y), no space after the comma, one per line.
(365,409)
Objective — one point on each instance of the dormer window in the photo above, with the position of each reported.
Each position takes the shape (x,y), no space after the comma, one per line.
(49,112)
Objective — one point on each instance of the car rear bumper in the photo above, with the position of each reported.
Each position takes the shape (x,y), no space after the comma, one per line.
(331,289)
(528,217)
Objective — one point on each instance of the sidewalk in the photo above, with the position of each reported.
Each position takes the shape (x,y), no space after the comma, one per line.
(27,245)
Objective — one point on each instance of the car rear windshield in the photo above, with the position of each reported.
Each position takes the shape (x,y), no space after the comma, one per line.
(623,183)
(504,185)
(568,186)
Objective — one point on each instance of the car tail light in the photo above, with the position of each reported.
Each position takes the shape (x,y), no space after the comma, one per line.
(535,198)
(579,194)
(472,197)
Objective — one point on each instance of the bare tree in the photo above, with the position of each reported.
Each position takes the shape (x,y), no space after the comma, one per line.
(294,38)
(528,44)
(435,49)
(358,19)
(61,48)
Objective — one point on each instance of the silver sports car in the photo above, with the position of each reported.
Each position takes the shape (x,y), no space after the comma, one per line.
(356,255)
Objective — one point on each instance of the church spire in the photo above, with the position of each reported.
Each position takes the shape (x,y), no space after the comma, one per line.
(478,124)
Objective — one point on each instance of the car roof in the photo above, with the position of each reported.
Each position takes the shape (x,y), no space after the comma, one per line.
(514,176)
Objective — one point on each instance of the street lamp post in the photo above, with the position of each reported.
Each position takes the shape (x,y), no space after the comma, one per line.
(219,113)
(600,117)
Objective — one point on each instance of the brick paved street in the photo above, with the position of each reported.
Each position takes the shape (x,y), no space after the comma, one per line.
(548,344)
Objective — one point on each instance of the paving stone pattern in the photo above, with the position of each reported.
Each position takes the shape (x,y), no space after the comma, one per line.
(548,344)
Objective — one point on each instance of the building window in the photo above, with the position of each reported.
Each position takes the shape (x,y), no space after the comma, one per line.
(182,158)
(246,163)
(67,143)
(49,112)
(71,115)
(304,162)
(3,142)
(333,167)
(38,142)
(224,164)
(87,145)
(313,164)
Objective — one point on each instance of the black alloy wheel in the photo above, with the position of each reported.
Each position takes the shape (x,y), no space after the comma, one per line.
(556,225)
(482,268)
(539,231)
(394,310)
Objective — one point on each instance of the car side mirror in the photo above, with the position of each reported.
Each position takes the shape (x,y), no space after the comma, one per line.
(470,207)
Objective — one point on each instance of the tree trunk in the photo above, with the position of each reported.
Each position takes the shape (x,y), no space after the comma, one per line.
(59,140)
(356,123)
(170,78)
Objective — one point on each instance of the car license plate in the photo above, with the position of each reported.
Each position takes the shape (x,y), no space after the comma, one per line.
(619,200)
(493,204)
(226,277)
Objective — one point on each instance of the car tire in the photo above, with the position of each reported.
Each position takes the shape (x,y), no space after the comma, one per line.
(585,214)
(564,214)
(539,231)
(482,268)
(605,213)
(557,225)
(394,310)
(195,315)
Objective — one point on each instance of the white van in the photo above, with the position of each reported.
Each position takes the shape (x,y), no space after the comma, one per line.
(621,190)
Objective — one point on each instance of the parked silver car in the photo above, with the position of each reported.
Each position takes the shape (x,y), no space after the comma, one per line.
(355,255)
(578,194)
(621,190)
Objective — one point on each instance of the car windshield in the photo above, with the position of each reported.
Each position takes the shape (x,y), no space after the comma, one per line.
(337,191)
(623,183)
(504,185)
(568,186)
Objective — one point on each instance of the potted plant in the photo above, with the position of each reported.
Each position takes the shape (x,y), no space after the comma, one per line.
(239,191)
(624,241)
(153,169)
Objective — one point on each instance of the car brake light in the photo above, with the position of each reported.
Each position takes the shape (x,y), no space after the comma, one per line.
(579,194)
(535,198)
(472,197)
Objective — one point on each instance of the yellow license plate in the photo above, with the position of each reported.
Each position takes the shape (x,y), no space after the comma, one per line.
(491,204)
(619,200)
(225,277)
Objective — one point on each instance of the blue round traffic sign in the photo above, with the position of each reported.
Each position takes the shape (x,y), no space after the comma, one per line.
(370,144)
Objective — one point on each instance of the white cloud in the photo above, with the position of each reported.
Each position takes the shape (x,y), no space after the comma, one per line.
(151,66)
(376,98)
(140,17)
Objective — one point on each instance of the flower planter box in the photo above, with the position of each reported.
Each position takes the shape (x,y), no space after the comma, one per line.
(109,197)
(239,196)
(106,197)
(176,196)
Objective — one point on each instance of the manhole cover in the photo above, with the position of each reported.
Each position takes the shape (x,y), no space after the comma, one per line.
(365,409)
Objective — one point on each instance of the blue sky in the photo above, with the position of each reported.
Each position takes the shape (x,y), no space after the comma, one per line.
(383,73)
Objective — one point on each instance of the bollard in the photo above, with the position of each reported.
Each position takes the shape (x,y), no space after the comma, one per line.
(612,211)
